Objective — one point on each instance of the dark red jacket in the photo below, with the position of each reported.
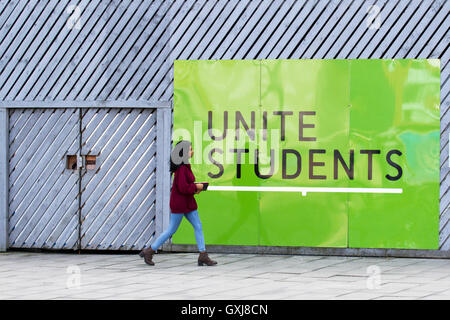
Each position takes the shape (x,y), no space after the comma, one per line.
(183,189)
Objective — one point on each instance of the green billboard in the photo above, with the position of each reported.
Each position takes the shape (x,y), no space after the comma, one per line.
(312,153)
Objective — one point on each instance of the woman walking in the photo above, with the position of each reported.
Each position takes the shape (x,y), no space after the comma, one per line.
(182,203)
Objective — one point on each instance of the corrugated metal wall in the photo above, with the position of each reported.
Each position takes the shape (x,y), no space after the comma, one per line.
(124,50)
(81,50)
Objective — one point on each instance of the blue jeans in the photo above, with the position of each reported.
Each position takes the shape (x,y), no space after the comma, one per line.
(175,220)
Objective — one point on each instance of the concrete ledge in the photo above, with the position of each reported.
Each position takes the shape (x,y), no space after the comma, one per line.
(405,253)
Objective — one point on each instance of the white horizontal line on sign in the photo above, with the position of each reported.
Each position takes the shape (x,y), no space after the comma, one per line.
(304,190)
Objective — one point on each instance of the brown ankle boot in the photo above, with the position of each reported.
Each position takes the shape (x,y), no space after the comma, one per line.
(204,259)
(147,254)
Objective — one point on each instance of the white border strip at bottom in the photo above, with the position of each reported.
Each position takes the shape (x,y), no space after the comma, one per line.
(304,190)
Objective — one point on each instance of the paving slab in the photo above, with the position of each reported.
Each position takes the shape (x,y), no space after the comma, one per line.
(35,275)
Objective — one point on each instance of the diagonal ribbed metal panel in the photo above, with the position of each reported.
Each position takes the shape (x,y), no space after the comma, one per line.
(81,50)
(43,193)
(118,195)
(110,50)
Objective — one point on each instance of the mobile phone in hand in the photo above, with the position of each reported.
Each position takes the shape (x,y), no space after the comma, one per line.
(205,185)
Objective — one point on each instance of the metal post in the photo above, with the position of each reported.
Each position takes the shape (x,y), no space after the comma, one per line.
(163,135)
(4,177)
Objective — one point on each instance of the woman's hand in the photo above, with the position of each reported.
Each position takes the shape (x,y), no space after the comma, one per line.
(199,187)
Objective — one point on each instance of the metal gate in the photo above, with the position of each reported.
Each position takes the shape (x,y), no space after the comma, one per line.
(82,178)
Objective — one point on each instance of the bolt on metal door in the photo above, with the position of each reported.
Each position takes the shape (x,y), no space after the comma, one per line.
(118,178)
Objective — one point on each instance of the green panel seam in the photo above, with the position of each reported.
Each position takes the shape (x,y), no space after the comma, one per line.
(259,193)
(348,135)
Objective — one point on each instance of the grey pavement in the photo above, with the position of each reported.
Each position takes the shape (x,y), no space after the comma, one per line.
(32,275)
